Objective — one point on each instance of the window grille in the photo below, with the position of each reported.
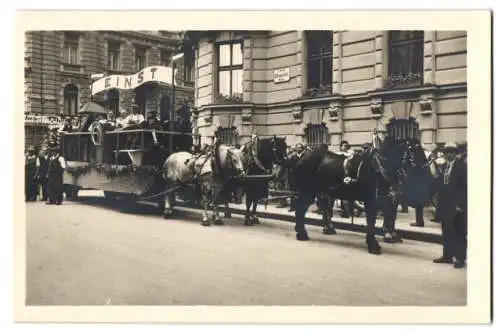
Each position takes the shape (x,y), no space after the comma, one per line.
(227,136)
(317,135)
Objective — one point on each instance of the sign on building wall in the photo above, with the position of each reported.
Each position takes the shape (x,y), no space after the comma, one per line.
(46,120)
(159,74)
(282,75)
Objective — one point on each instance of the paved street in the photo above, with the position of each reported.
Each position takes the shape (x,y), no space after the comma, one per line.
(90,253)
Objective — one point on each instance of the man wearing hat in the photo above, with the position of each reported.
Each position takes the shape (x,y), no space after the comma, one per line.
(42,165)
(452,208)
(56,167)
(30,187)
(291,163)
(67,126)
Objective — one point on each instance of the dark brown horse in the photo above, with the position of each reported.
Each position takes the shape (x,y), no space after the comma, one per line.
(259,156)
(377,176)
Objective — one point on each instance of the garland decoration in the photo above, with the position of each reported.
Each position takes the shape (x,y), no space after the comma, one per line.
(110,171)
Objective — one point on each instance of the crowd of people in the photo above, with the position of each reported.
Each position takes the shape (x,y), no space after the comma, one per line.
(44,174)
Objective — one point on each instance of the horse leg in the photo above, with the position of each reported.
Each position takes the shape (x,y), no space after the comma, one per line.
(168,210)
(302,204)
(227,214)
(205,221)
(390,213)
(216,219)
(205,200)
(248,203)
(327,209)
(255,220)
(371,218)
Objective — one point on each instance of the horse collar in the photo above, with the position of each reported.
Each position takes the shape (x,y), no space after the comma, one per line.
(254,152)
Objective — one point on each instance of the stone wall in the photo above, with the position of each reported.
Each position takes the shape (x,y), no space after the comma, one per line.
(360,101)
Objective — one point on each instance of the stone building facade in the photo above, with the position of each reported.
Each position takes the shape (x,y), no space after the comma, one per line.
(322,87)
(59,65)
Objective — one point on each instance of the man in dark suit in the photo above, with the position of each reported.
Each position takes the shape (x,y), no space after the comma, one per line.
(452,208)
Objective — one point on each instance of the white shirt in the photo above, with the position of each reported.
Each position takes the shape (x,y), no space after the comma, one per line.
(135,118)
(447,171)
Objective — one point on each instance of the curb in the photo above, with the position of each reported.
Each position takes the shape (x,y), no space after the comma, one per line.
(405,234)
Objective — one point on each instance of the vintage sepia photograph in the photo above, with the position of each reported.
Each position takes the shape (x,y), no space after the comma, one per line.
(254,167)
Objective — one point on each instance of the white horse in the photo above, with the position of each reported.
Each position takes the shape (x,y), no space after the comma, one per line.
(211,171)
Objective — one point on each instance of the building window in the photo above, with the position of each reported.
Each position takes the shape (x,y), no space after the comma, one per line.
(230,70)
(70,99)
(406,58)
(114,56)
(140,58)
(113,101)
(317,135)
(319,62)
(71,44)
(165,58)
(227,136)
(189,66)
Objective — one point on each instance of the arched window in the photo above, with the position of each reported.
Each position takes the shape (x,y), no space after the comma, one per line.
(227,136)
(113,101)
(317,135)
(71,99)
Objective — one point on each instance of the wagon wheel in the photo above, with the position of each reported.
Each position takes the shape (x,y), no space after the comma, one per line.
(97,133)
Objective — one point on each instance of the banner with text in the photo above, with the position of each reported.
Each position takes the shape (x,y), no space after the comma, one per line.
(159,74)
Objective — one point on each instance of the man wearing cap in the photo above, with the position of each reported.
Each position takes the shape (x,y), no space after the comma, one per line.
(30,187)
(452,208)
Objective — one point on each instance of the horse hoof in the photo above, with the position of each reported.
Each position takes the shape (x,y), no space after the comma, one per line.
(329,231)
(167,213)
(302,236)
(218,222)
(247,222)
(375,250)
(205,223)
(227,215)
(255,220)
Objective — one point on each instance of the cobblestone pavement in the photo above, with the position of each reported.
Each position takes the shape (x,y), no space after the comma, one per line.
(91,253)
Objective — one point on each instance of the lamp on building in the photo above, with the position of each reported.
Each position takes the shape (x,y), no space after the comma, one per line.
(171,123)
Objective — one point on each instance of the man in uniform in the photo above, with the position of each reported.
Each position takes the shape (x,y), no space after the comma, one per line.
(57,165)
(291,164)
(30,187)
(452,208)
(347,207)
(42,166)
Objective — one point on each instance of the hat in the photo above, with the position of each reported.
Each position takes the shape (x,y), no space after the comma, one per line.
(450,147)
(299,145)
(31,148)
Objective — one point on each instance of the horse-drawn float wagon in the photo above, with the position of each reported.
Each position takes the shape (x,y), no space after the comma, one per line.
(123,162)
